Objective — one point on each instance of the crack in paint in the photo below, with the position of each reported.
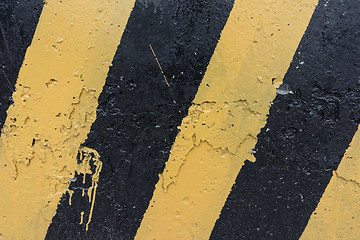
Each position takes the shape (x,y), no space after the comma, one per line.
(345,179)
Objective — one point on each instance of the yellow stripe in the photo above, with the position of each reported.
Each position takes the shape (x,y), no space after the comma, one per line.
(230,108)
(55,104)
(338,213)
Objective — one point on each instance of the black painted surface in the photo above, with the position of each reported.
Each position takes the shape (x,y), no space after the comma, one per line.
(138,114)
(306,133)
(18,20)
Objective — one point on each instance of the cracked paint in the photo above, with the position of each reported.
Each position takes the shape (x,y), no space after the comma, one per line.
(230,108)
(54,106)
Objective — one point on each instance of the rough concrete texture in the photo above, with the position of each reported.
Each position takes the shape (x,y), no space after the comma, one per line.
(138,113)
(306,133)
(298,154)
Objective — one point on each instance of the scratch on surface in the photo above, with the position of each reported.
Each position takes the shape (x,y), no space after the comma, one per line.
(152,50)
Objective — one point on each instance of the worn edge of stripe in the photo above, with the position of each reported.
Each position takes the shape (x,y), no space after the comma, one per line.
(337,213)
(13,44)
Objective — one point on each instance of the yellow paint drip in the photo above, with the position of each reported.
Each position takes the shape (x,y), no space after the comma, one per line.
(54,106)
(337,214)
(71,192)
(230,108)
(81,218)
(86,156)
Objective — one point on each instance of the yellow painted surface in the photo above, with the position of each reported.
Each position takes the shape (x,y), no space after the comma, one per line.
(54,106)
(337,215)
(249,63)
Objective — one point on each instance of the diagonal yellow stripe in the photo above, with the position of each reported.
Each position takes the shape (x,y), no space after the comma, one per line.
(230,108)
(337,214)
(54,106)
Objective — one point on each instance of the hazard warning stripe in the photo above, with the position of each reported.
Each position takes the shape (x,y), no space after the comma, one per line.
(337,214)
(305,136)
(156,72)
(231,105)
(54,106)
(139,113)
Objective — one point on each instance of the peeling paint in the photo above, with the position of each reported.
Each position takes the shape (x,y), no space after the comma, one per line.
(218,125)
(138,113)
(229,110)
(54,106)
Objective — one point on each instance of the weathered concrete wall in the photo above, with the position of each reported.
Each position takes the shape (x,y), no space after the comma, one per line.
(154,119)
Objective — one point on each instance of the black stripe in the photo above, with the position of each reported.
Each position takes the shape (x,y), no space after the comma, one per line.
(138,113)
(306,133)
(18,20)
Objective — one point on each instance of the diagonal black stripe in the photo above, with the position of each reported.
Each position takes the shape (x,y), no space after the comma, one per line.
(18,20)
(306,133)
(138,113)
